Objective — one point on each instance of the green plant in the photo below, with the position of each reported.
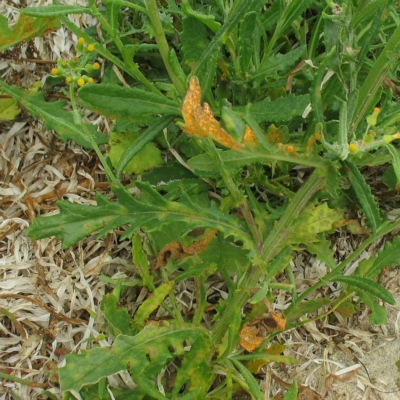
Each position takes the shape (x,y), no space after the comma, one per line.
(274,111)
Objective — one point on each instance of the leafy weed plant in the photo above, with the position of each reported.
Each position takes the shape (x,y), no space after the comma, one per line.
(238,96)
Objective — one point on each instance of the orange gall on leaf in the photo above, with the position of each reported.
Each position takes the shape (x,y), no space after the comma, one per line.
(200,121)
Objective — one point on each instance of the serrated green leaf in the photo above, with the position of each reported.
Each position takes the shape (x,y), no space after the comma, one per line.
(312,221)
(195,370)
(207,20)
(122,102)
(9,109)
(278,62)
(118,318)
(25,29)
(54,116)
(302,309)
(144,355)
(246,42)
(388,257)
(151,304)
(75,221)
(378,313)
(368,286)
(145,157)
(236,15)
(54,11)
(364,195)
(134,148)
(281,109)
(322,249)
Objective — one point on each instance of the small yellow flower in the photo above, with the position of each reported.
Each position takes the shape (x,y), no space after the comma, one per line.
(80,82)
(353,148)
(90,80)
(54,71)
(68,79)
(90,47)
(96,65)
(81,40)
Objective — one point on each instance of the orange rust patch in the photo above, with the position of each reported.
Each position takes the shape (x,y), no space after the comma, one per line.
(200,121)
(249,137)
(176,250)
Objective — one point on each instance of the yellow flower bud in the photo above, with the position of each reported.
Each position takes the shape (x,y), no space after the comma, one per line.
(371,119)
(80,82)
(96,65)
(81,40)
(90,47)
(68,79)
(353,148)
(54,71)
(90,80)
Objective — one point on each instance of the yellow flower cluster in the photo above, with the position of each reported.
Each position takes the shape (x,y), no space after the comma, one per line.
(72,69)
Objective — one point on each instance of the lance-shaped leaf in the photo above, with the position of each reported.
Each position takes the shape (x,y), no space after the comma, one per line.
(151,304)
(126,103)
(364,195)
(144,355)
(368,286)
(54,116)
(388,257)
(118,318)
(151,212)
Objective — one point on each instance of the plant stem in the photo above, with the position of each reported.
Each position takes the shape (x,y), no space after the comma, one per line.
(110,174)
(236,194)
(271,246)
(163,47)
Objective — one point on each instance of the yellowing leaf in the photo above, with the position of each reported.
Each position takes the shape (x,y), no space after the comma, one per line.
(148,157)
(25,29)
(8,109)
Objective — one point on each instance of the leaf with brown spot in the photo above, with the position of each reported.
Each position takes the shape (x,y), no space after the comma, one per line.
(176,250)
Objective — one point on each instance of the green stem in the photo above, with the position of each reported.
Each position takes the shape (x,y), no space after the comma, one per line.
(275,240)
(236,194)
(271,246)
(162,43)
(78,120)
